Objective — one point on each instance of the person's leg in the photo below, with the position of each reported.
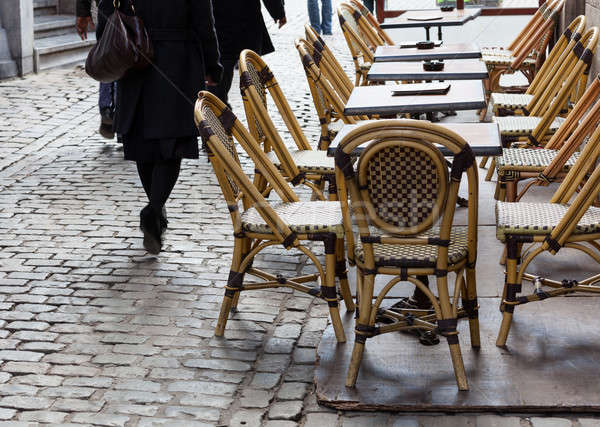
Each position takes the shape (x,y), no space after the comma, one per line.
(164,177)
(370,4)
(221,90)
(145,173)
(105,104)
(326,16)
(314,15)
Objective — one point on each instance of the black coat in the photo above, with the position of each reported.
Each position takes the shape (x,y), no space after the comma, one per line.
(185,48)
(240,26)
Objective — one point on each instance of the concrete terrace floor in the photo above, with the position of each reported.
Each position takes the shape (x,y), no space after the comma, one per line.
(95,332)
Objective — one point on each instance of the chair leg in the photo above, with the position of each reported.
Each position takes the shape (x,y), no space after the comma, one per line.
(510,291)
(234,282)
(491,170)
(329,291)
(472,303)
(341,272)
(364,314)
(483,162)
(448,326)
(332,188)
(511,191)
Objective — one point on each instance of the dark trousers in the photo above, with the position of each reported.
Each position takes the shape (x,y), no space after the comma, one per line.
(158,180)
(370,4)
(221,90)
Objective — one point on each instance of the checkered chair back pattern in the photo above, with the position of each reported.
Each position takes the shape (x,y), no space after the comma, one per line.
(403,184)
(220,130)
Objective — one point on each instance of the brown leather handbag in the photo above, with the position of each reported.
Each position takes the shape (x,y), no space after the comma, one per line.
(124,46)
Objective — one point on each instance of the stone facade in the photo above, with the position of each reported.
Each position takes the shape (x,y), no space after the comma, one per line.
(16,37)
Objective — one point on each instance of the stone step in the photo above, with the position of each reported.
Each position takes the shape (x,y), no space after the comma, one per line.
(45,7)
(53,25)
(56,51)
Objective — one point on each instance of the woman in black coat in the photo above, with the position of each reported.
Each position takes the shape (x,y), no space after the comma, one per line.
(240,26)
(155,107)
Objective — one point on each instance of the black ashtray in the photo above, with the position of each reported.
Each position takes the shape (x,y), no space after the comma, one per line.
(425,45)
(433,65)
(447,8)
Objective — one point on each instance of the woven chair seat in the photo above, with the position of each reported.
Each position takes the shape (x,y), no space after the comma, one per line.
(511,101)
(301,217)
(310,161)
(539,219)
(496,51)
(530,159)
(504,60)
(417,255)
(335,126)
(523,125)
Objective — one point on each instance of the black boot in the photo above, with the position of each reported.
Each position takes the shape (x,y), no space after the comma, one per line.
(150,226)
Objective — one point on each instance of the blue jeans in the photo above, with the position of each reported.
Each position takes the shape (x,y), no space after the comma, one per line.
(370,4)
(321,22)
(107,96)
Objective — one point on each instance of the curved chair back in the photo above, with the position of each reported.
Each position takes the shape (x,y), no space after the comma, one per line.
(559,52)
(257,82)
(320,79)
(362,55)
(401,184)
(578,65)
(219,129)
(373,22)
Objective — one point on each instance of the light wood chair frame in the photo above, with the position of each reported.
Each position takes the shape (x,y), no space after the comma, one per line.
(355,198)
(550,68)
(362,54)
(263,129)
(236,188)
(551,102)
(565,141)
(562,236)
(382,35)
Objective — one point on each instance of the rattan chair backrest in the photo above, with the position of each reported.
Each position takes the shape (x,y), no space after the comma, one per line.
(586,171)
(366,29)
(401,184)
(558,54)
(576,67)
(537,28)
(372,21)
(257,83)
(319,78)
(327,62)
(220,129)
(359,49)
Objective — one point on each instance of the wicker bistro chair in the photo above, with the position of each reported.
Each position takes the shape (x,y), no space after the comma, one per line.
(513,102)
(303,165)
(525,52)
(550,227)
(340,88)
(553,162)
(261,224)
(361,51)
(400,190)
(368,21)
(543,110)
(543,119)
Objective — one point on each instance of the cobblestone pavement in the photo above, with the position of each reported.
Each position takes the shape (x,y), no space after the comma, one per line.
(95,332)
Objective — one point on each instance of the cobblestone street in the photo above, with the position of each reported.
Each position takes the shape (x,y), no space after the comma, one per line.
(93,331)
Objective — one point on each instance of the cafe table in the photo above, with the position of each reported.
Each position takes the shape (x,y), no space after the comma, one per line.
(427,18)
(484,138)
(454,69)
(445,51)
(378,99)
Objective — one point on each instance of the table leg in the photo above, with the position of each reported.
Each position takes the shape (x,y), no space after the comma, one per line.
(427,34)
(439,32)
